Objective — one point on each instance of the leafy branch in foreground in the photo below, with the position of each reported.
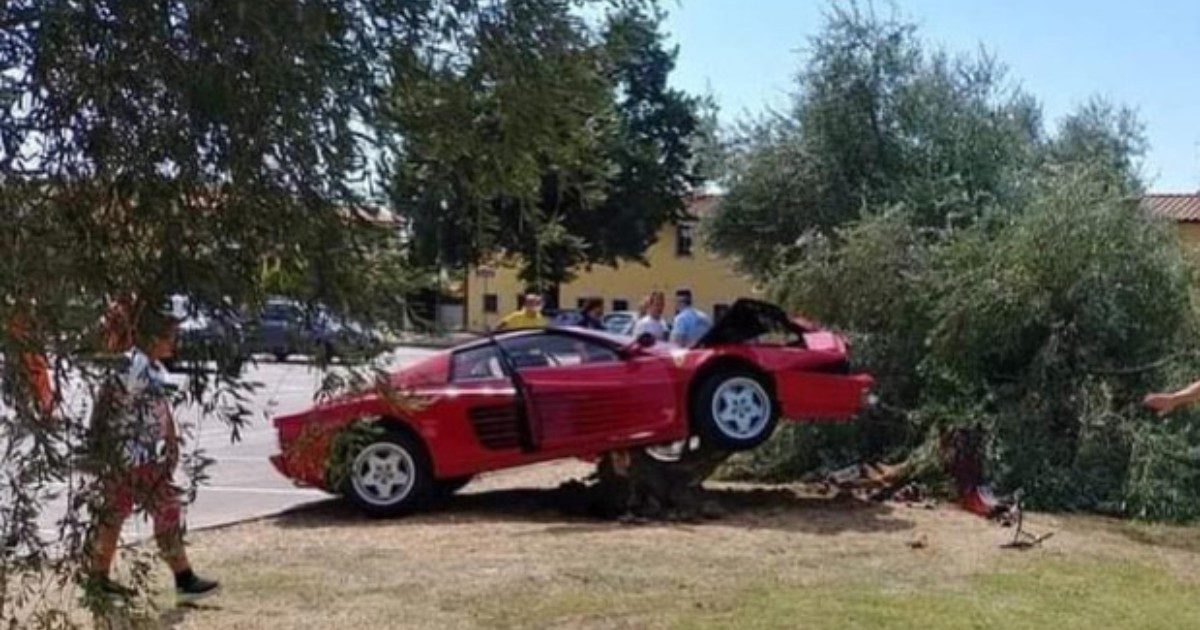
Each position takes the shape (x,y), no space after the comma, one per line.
(150,149)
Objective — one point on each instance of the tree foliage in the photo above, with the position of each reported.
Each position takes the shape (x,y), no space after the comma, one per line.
(222,150)
(876,120)
(542,134)
(175,146)
(992,274)
(1044,327)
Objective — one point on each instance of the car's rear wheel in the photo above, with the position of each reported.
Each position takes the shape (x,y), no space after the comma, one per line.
(733,410)
(389,476)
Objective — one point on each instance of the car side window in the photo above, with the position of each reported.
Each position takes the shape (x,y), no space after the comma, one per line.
(551,350)
(476,364)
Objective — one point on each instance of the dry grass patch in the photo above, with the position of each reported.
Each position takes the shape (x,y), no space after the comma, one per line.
(500,557)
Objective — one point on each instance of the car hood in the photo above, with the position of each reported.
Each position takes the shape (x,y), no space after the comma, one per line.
(423,373)
(746,320)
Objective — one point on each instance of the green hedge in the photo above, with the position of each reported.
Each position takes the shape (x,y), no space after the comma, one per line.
(1044,323)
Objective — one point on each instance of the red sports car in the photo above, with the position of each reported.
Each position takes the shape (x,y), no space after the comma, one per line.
(526,396)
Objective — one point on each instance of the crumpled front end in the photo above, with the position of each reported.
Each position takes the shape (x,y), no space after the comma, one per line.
(304,449)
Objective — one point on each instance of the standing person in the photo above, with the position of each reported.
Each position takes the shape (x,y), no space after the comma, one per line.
(136,447)
(690,324)
(528,316)
(592,315)
(651,322)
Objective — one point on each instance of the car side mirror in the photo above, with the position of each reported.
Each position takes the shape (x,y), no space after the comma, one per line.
(638,345)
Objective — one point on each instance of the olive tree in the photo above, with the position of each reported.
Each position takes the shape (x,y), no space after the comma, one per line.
(877,119)
(992,273)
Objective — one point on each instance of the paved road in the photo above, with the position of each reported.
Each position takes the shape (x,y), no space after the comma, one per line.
(242,482)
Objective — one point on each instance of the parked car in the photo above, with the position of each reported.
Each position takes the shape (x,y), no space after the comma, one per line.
(285,328)
(565,317)
(532,395)
(208,336)
(620,322)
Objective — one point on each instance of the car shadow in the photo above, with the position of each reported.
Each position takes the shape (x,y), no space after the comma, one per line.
(565,510)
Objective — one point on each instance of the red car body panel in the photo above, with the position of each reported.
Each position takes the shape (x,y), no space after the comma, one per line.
(584,410)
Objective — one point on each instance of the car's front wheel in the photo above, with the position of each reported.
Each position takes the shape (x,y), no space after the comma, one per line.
(389,476)
(733,410)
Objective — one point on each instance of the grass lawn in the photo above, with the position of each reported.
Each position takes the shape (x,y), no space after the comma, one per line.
(499,557)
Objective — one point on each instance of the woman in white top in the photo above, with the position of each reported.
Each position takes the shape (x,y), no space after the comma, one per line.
(651,321)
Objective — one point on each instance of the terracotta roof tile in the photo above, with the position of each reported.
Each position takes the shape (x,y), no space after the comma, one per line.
(1182,207)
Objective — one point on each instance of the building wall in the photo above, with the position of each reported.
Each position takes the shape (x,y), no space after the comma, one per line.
(1189,237)
(711,279)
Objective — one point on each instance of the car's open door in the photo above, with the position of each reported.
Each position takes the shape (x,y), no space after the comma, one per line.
(583,395)
(487,391)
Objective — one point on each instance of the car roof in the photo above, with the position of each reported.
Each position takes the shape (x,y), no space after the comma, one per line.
(587,333)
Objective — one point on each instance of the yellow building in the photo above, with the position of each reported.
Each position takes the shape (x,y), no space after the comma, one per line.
(1184,210)
(677,260)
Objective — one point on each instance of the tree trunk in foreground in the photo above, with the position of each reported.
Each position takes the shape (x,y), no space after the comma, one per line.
(634,484)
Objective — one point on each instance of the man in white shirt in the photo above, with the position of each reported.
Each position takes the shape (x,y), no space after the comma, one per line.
(652,321)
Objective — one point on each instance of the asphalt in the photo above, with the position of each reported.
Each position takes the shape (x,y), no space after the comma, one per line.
(242,484)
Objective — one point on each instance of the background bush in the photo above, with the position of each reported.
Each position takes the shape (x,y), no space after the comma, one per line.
(988,272)
(1045,326)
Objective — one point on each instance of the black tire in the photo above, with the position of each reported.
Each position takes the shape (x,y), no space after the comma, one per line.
(371,488)
(281,356)
(445,488)
(743,424)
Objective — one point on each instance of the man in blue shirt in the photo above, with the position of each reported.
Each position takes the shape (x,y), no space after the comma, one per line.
(690,324)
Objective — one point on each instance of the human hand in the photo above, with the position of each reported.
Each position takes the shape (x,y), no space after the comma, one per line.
(1162,404)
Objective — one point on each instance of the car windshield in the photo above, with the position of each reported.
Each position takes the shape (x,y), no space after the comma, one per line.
(556,350)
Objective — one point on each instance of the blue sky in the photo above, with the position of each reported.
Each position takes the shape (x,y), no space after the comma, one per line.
(745,52)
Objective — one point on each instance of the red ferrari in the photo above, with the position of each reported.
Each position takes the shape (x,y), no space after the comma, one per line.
(526,396)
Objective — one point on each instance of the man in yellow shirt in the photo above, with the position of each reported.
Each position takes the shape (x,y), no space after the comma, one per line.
(529,316)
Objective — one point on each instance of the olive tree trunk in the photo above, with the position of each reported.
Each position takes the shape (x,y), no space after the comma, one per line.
(634,484)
